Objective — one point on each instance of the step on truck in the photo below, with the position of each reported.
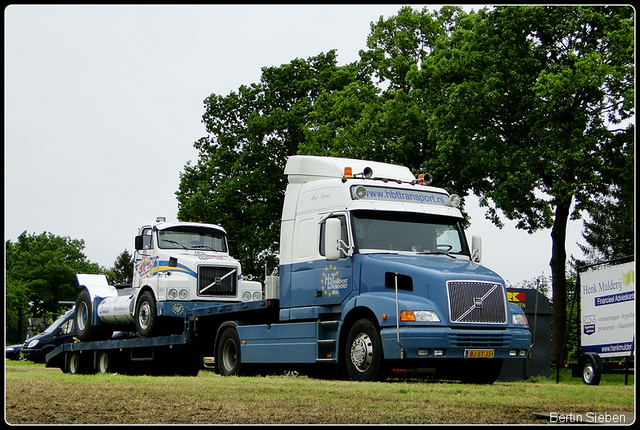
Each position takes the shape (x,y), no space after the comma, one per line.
(375,277)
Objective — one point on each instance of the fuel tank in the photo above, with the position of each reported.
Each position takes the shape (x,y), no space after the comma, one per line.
(116,310)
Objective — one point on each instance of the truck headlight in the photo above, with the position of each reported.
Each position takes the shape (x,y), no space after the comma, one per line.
(172,294)
(257,295)
(33,343)
(520,319)
(419,316)
(246,296)
(184,294)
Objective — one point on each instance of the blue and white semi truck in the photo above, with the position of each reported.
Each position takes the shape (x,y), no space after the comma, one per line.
(375,276)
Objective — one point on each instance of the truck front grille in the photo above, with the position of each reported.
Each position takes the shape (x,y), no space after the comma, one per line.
(474,340)
(217,281)
(476,302)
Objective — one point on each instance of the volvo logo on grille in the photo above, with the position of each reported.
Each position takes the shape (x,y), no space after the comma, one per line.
(477,301)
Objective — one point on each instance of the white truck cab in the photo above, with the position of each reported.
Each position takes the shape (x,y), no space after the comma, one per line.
(173,262)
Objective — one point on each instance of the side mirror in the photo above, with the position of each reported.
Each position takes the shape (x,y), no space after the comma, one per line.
(332,236)
(476,249)
(139,243)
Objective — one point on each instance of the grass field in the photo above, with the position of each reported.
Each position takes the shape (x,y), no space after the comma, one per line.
(38,395)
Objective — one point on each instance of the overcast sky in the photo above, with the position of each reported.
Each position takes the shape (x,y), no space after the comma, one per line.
(103,105)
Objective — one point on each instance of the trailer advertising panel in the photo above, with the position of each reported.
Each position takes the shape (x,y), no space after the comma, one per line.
(608,310)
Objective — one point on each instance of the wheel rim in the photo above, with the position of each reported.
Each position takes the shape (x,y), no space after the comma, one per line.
(588,373)
(83,316)
(229,355)
(144,315)
(362,352)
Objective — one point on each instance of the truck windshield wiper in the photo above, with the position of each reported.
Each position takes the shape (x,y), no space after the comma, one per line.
(435,253)
(177,243)
(204,246)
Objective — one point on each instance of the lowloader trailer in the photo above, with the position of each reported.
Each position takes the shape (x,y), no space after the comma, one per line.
(376,277)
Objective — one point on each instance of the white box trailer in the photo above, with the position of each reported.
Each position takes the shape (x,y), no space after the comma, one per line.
(607,320)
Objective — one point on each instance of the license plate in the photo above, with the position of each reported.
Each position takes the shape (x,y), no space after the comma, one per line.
(478,353)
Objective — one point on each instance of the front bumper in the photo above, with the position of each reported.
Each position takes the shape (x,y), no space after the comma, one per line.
(33,354)
(445,342)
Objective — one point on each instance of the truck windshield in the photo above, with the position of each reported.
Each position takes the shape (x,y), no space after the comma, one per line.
(197,238)
(408,232)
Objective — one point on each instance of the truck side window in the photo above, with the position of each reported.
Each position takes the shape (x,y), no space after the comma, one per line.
(147,243)
(344,235)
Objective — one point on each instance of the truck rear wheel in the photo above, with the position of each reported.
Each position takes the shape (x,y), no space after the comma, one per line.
(85,329)
(363,353)
(228,353)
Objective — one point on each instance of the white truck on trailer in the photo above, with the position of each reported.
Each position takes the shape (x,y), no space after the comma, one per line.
(173,262)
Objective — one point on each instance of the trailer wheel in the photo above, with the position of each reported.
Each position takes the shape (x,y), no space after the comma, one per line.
(590,376)
(363,353)
(228,353)
(146,314)
(105,362)
(76,364)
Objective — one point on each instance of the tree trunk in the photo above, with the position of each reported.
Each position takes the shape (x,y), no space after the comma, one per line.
(559,278)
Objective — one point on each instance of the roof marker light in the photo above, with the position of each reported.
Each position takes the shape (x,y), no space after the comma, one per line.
(348,172)
(454,200)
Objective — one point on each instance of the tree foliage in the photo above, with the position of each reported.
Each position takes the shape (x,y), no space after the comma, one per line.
(535,97)
(122,270)
(528,107)
(238,180)
(40,272)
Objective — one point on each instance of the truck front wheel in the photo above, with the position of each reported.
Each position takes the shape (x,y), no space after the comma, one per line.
(363,353)
(146,314)
(228,353)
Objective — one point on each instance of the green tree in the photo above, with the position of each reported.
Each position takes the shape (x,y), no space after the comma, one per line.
(40,272)
(238,180)
(610,232)
(122,269)
(528,105)
(523,106)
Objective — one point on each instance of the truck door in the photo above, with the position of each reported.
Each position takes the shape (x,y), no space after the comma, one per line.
(314,280)
(144,259)
(335,277)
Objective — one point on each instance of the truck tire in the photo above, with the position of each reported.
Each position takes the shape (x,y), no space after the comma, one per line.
(146,317)
(228,353)
(590,376)
(83,320)
(363,353)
